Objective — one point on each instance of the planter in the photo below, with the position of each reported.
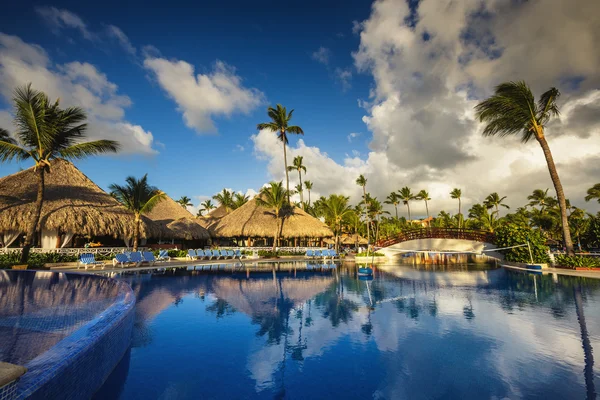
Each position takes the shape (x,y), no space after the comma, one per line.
(22,266)
(586,269)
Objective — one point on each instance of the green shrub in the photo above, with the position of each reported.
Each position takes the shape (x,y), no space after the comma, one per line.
(564,260)
(370,254)
(512,235)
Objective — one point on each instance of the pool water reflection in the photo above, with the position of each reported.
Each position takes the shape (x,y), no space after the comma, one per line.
(433,332)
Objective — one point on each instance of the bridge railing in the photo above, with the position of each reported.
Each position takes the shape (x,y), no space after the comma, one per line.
(439,233)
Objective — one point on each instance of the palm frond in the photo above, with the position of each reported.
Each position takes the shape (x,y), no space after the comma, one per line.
(156,198)
(547,105)
(295,130)
(82,150)
(11,151)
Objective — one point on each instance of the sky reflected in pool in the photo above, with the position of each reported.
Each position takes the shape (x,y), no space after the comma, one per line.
(463,332)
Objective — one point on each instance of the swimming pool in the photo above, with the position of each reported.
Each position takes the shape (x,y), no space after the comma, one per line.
(409,333)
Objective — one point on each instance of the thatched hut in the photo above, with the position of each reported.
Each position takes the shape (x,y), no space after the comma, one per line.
(213,217)
(353,239)
(73,206)
(254,221)
(176,222)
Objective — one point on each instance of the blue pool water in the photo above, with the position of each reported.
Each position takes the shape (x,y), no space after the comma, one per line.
(410,333)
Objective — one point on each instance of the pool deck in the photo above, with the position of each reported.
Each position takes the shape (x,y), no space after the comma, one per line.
(557,271)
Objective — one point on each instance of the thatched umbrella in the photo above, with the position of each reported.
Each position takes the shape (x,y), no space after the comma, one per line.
(251,220)
(176,221)
(353,239)
(72,203)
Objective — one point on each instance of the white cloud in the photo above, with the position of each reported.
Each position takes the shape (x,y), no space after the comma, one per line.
(121,37)
(239,147)
(75,84)
(322,55)
(352,136)
(201,97)
(343,76)
(59,19)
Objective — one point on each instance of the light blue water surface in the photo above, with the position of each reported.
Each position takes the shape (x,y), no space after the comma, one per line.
(410,333)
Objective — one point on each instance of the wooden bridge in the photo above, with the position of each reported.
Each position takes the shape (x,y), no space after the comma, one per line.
(439,233)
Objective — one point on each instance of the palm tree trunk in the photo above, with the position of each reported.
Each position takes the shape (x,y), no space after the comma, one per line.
(276,236)
(396,207)
(560,194)
(136,232)
(367,218)
(301,189)
(409,217)
(287,177)
(309,197)
(35,218)
(427,208)
(459,219)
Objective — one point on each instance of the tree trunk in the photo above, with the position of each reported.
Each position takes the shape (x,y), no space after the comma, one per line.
(309,197)
(409,217)
(136,232)
(459,219)
(427,208)
(276,236)
(301,189)
(396,207)
(367,217)
(287,177)
(560,194)
(32,228)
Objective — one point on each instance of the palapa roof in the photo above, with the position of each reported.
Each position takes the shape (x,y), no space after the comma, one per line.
(213,217)
(176,221)
(251,220)
(72,203)
(353,239)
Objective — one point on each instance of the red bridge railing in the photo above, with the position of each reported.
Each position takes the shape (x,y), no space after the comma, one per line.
(439,233)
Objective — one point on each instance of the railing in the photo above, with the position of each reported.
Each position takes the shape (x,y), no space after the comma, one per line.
(439,233)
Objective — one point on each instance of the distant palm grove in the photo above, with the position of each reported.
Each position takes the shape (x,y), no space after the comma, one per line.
(511,110)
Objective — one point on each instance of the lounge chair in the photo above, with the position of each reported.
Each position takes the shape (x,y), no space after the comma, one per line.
(148,257)
(200,254)
(191,254)
(231,254)
(163,255)
(317,253)
(239,255)
(88,259)
(136,257)
(310,253)
(216,255)
(121,259)
(333,254)
(224,254)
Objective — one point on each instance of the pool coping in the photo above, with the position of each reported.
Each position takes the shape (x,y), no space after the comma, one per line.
(46,369)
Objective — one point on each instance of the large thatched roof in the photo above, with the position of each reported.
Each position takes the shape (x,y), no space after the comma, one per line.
(251,220)
(72,203)
(176,221)
(209,220)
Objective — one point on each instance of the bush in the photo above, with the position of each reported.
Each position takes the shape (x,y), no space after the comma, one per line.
(564,260)
(512,235)
(371,254)
(36,260)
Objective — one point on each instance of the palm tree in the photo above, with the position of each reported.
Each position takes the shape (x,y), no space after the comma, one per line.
(207,206)
(393,199)
(225,199)
(539,197)
(406,196)
(456,193)
(495,201)
(239,199)
(376,211)
(362,182)
(279,123)
(424,195)
(274,197)
(593,193)
(335,208)
(308,185)
(138,197)
(185,202)
(512,110)
(46,132)
(298,166)
(200,212)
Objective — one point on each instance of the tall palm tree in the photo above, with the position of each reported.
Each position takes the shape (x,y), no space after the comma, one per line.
(239,199)
(207,206)
(593,193)
(495,201)
(539,197)
(375,212)
(456,193)
(393,199)
(274,197)
(46,132)
(138,197)
(225,199)
(424,195)
(200,212)
(308,185)
(406,196)
(362,182)
(298,166)
(512,110)
(185,202)
(335,208)
(279,123)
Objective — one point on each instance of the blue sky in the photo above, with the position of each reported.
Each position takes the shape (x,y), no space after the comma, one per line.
(269,44)
(402,76)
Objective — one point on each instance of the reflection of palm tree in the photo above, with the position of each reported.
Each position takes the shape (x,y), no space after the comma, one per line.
(588,371)
(468,311)
(221,308)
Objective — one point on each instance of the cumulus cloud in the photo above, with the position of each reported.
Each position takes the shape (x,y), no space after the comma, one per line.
(75,84)
(122,39)
(430,66)
(59,19)
(201,97)
(351,136)
(322,55)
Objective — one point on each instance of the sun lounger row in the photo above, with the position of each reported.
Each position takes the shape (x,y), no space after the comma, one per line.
(214,254)
(136,258)
(320,266)
(322,253)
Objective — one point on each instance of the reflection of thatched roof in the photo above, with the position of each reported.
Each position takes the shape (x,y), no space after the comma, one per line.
(72,203)
(213,217)
(260,297)
(353,239)
(176,221)
(251,220)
